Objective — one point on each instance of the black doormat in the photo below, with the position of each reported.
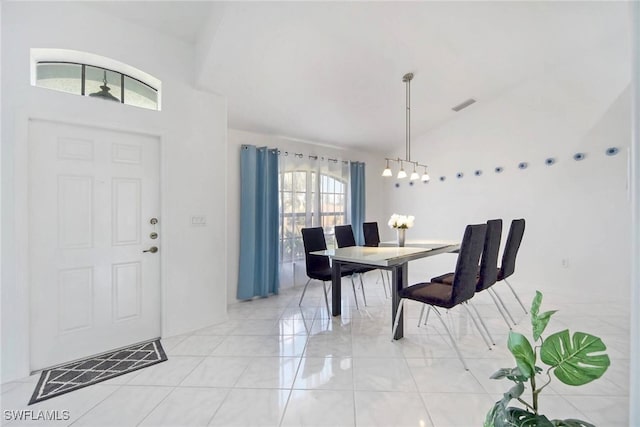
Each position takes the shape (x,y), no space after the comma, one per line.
(73,376)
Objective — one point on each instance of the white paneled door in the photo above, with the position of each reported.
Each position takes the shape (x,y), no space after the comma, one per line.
(92,196)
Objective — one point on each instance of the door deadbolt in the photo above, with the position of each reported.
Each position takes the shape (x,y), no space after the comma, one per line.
(153,235)
(153,221)
(152,249)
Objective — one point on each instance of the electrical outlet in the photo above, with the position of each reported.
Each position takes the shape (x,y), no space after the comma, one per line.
(565,263)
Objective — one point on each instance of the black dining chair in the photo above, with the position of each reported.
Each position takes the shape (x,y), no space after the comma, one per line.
(488,271)
(371,234)
(511,247)
(318,266)
(372,239)
(463,288)
(345,239)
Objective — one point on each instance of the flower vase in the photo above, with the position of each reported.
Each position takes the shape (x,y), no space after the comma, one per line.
(401,236)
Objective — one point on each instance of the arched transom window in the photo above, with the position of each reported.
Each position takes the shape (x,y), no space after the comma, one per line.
(94,76)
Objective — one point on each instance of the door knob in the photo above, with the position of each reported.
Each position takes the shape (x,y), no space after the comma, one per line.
(152,249)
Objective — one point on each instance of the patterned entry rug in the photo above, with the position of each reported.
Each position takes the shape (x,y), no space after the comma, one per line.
(73,376)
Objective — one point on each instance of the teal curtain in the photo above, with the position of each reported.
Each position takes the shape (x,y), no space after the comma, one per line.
(357,200)
(258,275)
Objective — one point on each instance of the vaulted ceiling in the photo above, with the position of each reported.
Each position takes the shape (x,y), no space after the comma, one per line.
(331,72)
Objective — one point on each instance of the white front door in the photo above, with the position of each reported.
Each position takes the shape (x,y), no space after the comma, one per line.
(92,195)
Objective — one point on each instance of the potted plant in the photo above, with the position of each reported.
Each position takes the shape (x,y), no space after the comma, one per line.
(574,360)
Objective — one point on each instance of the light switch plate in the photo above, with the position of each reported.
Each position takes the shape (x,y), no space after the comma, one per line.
(198,220)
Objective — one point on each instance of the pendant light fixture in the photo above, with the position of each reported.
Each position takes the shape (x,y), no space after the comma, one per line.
(104,90)
(401,173)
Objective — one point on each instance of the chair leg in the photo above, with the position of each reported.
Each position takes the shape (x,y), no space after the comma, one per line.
(303,291)
(497,295)
(397,319)
(426,317)
(384,286)
(364,297)
(453,341)
(495,301)
(484,326)
(326,299)
(517,297)
(355,297)
(421,314)
(475,322)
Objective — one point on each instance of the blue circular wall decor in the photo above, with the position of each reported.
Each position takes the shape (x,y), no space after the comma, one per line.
(411,183)
(442,178)
(478,172)
(459,175)
(549,161)
(499,169)
(523,165)
(612,151)
(579,156)
(397,185)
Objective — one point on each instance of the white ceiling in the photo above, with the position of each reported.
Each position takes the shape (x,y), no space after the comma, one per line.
(331,72)
(181,19)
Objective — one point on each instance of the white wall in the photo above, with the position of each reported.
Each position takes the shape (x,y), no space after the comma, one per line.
(634,391)
(578,211)
(192,130)
(375,196)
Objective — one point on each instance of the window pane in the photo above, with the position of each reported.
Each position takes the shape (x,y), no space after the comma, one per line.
(299,249)
(287,249)
(287,181)
(287,203)
(301,202)
(62,77)
(328,221)
(94,84)
(300,181)
(139,94)
(288,227)
(300,224)
(325,203)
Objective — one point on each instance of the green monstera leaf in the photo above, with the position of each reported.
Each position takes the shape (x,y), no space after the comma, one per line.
(539,321)
(498,414)
(570,422)
(515,417)
(573,358)
(521,349)
(521,418)
(512,374)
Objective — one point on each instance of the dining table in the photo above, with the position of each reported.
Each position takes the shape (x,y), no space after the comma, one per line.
(393,258)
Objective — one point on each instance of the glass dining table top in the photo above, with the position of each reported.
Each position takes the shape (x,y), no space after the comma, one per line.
(387,256)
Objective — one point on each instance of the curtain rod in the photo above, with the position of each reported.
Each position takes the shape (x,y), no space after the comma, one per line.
(302,155)
(313,157)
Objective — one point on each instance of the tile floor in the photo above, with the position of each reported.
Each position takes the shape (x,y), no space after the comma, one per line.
(274,363)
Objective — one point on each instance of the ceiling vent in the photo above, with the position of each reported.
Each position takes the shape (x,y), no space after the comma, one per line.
(465,104)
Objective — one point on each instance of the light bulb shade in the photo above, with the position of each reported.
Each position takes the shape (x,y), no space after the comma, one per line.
(387,172)
(425,177)
(414,176)
(402,174)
